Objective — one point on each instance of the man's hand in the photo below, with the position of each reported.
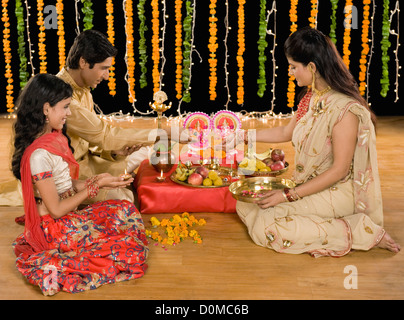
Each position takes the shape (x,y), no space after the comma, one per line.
(126,150)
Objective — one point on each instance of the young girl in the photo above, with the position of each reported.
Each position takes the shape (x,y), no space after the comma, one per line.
(63,248)
(337,203)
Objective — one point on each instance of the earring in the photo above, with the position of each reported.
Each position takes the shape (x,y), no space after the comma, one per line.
(46,119)
(313,77)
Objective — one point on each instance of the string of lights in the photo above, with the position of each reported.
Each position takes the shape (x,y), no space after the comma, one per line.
(226,54)
(396,12)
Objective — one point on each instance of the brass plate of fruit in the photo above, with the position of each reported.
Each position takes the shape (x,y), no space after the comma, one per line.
(218,178)
(250,173)
(268,164)
(253,189)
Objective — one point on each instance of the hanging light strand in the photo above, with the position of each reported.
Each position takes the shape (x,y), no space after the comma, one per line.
(163,36)
(372,19)
(396,12)
(274,44)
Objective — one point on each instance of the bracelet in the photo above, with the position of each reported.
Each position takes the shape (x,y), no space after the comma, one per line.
(297,195)
(284,195)
(288,195)
(92,187)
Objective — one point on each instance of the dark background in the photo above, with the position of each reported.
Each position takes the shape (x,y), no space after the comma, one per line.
(200,71)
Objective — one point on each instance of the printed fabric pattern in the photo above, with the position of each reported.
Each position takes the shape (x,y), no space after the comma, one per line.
(103,243)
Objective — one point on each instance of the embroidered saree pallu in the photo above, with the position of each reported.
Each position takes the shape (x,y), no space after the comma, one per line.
(170,197)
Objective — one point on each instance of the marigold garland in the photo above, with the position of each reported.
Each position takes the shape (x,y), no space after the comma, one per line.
(155,45)
(313,14)
(178,48)
(7,57)
(293,27)
(61,34)
(176,229)
(385,45)
(240,51)
(293,15)
(347,33)
(111,38)
(142,44)
(365,47)
(41,40)
(212,49)
(19,13)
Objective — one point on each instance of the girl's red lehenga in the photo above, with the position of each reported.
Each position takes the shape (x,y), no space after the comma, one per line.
(103,243)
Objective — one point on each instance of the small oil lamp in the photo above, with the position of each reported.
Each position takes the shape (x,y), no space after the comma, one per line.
(126,176)
(161,178)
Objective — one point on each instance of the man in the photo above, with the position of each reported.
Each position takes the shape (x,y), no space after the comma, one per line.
(98,146)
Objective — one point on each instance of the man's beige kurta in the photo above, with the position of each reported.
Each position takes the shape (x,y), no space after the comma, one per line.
(93,139)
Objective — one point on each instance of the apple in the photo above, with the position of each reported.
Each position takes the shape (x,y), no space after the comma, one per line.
(203,171)
(267,161)
(195,179)
(277,155)
(277,165)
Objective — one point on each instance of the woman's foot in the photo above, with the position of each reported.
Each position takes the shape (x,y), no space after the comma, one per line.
(388,243)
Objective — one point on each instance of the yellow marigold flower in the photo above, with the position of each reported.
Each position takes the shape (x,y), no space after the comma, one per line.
(155,222)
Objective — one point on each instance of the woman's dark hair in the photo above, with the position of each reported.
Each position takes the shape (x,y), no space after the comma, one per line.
(30,120)
(310,45)
(91,45)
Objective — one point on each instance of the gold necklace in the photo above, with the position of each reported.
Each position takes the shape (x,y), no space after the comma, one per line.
(318,107)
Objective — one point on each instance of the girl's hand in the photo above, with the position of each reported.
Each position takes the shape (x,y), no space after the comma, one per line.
(271,199)
(107,181)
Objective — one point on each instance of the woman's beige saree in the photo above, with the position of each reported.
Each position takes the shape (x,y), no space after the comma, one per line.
(347,215)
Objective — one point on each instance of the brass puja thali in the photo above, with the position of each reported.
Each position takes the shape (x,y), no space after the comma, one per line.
(224,173)
(253,189)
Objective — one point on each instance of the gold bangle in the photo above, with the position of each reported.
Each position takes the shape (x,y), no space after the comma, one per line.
(297,195)
(284,195)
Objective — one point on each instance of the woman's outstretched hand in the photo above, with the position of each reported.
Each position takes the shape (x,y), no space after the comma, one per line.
(107,181)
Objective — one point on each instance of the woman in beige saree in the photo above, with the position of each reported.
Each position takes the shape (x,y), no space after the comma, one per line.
(336,205)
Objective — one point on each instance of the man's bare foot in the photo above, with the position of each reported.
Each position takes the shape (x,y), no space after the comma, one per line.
(388,243)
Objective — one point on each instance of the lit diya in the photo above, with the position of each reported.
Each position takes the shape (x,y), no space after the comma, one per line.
(125,176)
(161,178)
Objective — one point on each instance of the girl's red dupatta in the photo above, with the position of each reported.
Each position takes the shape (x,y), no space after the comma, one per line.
(57,144)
